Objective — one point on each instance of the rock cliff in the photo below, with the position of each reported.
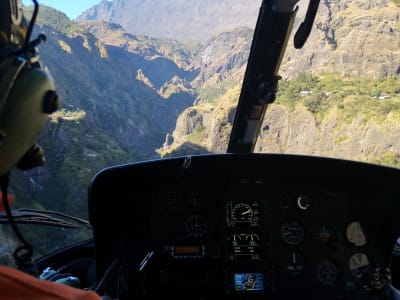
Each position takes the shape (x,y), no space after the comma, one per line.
(353,39)
(176,19)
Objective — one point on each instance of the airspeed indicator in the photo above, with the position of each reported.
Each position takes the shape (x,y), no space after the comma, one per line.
(242,214)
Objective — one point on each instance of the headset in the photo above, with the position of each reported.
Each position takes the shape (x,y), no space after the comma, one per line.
(27,97)
(27,92)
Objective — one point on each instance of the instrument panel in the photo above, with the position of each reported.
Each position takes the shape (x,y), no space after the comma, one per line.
(219,226)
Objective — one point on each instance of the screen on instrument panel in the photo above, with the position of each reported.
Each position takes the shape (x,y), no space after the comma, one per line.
(249,282)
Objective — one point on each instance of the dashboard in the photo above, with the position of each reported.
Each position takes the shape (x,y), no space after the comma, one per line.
(254,226)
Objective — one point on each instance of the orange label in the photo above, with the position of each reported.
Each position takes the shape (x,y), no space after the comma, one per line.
(10,200)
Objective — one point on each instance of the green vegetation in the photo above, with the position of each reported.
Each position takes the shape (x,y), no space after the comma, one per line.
(372,98)
(68,115)
(342,139)
(197,135)
(52,18)
(213,93)
(116,117)
(388,158)
(373,102)
(370,102)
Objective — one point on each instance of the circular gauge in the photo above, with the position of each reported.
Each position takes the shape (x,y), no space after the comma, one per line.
(234,239)
(243,246)
(294,263)
(328,272)
(355,234)
(358,264)
(304,202)
(252,238)
(326,235)
(292,233)
(242,212)
(196,226)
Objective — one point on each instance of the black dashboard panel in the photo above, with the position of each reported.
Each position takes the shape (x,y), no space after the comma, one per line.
(245,226)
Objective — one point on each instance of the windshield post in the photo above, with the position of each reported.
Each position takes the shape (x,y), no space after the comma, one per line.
(260,84)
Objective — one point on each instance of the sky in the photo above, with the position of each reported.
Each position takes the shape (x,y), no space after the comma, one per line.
(72,8)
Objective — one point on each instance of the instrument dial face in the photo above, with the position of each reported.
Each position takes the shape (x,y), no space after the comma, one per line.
(356,235)
(292,233)
(304,202)
(243,246)
(358,264)
(196,226)
(243,214)
(294,263)
(328,272)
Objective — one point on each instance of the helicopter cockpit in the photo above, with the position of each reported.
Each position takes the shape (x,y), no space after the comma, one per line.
(243,225)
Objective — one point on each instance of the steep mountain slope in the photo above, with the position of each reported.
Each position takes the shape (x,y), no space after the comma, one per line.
(352,118)
(176,19)
(223,57)
(109,114)
(345,35)
(353,113)
(209,67)
(122,93)
(121,96)
(354,37)
(157,61)
(130,88)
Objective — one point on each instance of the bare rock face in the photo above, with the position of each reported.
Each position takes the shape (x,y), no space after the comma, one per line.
(206,125)
(284,131)
(298,132)
(347,37)
(223,57)
(176,19)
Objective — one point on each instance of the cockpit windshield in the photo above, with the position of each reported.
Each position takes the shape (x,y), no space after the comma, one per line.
(141,80)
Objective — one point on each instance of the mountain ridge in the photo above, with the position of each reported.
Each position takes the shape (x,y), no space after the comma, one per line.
(176,19)
(124,95)
(344,40)
(170,73)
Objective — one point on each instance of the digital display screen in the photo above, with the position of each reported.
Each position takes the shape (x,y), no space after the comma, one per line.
(188,250)
(249,282)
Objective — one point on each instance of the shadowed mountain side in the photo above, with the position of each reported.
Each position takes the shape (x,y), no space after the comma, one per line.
(200,66)
(108,116)
(176,19)
(90,78)
(156,73)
